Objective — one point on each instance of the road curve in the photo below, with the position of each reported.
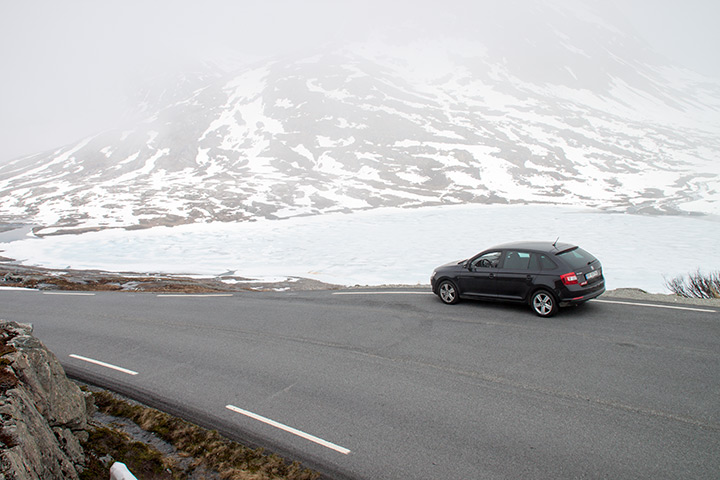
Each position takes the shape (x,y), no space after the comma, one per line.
(396,385)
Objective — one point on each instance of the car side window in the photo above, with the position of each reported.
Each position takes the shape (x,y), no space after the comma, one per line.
(487,260)
(516,260)
(535,262)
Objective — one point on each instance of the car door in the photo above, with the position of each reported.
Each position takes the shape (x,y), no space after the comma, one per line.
(516,274)
(480,275)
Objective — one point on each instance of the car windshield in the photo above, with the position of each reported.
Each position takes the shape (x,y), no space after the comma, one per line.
(576,257)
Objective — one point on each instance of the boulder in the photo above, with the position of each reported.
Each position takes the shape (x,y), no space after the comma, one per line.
(43,415)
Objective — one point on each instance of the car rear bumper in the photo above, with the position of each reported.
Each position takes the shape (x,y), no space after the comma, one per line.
(576,298)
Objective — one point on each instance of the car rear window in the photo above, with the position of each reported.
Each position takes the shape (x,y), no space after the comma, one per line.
(576,257)
(545,262)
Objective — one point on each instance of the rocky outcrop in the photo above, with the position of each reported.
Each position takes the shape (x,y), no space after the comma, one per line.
(43,415)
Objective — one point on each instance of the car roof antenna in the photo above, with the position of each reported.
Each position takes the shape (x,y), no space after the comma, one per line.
(556,240)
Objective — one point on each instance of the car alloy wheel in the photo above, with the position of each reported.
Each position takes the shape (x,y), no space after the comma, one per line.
(448,292)
(543,303)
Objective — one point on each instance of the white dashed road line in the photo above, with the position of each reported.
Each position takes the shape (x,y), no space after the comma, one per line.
(103,364)
(285,428)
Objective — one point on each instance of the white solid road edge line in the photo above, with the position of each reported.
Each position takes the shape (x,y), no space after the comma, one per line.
(671,307)
(195,295)
(103,364)
(285,428)
(383,293)
(78,294)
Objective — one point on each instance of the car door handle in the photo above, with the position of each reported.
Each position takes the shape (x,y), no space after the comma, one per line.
(492,275)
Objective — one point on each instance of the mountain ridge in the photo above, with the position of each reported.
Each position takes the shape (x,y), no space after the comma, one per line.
(376,125)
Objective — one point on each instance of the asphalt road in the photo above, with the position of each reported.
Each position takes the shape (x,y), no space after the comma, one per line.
(399,386)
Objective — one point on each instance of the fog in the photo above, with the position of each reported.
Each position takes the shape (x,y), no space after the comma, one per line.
(70,67)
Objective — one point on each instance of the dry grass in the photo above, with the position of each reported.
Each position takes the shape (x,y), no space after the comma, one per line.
(145,462)
(229,459)
(14,275)
(696,285)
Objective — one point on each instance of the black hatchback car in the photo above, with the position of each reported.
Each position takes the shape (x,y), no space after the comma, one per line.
(545,275)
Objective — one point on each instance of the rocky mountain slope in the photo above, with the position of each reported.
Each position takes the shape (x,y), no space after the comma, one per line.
(551,105)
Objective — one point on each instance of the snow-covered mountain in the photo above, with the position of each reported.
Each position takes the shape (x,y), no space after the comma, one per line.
(568,111)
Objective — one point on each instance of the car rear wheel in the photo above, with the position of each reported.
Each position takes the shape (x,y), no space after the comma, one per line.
(447,291)
(543,303)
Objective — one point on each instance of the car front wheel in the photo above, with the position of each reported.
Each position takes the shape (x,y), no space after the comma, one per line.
(543,303)
(448,292)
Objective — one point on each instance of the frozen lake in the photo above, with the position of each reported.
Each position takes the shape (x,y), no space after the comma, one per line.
(388,246)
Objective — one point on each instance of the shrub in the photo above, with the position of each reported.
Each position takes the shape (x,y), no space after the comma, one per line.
(696,285)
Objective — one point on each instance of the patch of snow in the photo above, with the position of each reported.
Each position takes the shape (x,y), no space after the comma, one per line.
(234,281)
(303,151)
(463,179)
(418,179)
(284,103)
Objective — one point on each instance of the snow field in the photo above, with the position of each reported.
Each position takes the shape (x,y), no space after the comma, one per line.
(388,246)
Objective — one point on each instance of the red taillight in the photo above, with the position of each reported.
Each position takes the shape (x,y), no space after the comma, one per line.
(569,278)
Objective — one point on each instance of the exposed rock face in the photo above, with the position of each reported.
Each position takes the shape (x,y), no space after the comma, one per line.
(44,415)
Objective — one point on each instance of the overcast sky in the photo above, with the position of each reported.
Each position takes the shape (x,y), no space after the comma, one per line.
(67,66)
